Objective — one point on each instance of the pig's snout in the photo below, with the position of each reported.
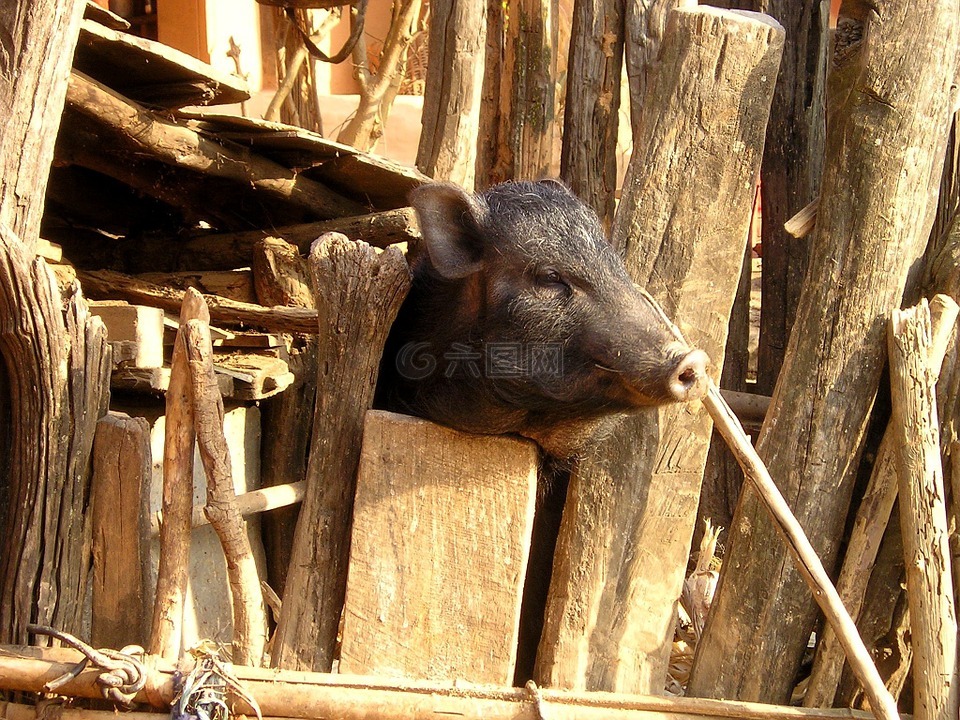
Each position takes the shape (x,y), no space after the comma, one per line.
(688,380)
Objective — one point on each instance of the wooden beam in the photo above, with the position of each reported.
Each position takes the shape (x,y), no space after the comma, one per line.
(306,695)
(108,284)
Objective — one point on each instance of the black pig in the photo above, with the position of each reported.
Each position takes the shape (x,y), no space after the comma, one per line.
(522,319)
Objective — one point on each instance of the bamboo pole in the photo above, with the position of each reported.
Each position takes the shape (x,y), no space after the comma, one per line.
(294,694)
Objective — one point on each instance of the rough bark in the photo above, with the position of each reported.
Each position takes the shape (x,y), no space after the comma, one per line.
(923,516)
(682,227)
(358,293)
(519,128)
(451,101)
(166,628)
(377,88)
(885,142)
(37,41)
(588,159)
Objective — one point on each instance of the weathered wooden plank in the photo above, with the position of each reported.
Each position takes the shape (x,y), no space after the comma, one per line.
(151,72)
(121,472)
(441,533)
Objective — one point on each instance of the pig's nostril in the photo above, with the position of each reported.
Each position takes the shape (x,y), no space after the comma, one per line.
(689,379)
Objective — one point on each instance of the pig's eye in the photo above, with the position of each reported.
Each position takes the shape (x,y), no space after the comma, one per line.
(551,279)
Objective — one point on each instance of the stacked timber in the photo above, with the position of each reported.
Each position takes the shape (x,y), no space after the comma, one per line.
(156,199)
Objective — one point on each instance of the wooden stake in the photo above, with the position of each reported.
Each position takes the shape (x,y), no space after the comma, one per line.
(249,613)
(923,517)
(167,626)
(113,285)
(358,293)
(869,525)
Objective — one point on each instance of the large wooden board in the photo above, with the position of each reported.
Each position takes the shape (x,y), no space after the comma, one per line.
(441,530)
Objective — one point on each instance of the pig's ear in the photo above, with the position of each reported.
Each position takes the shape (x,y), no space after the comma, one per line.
(450,221)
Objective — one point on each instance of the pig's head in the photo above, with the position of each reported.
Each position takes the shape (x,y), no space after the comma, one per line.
(534,323)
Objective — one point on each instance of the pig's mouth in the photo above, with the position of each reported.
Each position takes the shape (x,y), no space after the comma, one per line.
(685,381)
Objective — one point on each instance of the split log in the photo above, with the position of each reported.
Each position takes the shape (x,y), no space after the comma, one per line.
(923,517)
(875,213)
(414,607)
(108,284)
(167,625)
(121,472)
(124,129)
(38,41)
(588,157)
(358,293)
(249,614)
(869,527)
(791,170)
(451,99)
(518,114)
(309,695)
(644,483)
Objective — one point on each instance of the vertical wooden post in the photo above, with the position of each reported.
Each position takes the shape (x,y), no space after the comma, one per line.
(121,471)
(687,205)
(885,141)
(588,159)
(451,101)
(358,292)
(923,516)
